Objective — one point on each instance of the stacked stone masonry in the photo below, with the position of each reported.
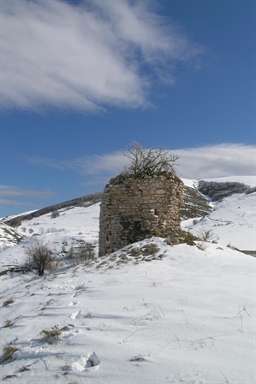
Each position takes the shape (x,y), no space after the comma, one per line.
(135,209)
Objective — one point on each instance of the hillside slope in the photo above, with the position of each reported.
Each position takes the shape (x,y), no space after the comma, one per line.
(34,222)
(237,210)
(232,220)
(149,313)
(9,236)
(181,317)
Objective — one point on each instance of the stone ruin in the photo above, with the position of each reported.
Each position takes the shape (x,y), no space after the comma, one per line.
(135,209)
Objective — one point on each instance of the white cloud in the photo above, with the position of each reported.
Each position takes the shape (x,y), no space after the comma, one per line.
(10,191)
(87,165)
(51,163)
(193,163)
(15,203)
(108,163)
(217,161)
(86,56)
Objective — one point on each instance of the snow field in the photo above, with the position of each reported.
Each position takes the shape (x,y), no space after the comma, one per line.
(182,315)
(189,317)
(232,222)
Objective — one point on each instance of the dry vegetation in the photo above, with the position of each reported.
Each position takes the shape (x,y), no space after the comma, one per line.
(7,353)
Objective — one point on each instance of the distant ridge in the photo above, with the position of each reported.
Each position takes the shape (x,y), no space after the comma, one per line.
(195,205)
(84,201)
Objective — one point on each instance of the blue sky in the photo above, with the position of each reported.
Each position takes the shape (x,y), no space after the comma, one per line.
(81,80)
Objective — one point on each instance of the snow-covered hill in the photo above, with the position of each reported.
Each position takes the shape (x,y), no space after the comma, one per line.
(233,219)
(231,222)
(72,226)
(9,236)
(149,313)
(71,216)
(235,214)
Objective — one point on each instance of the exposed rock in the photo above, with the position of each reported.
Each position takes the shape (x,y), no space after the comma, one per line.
(195,205)
(9,236)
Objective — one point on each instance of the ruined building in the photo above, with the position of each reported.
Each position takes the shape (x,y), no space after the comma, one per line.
(134,209)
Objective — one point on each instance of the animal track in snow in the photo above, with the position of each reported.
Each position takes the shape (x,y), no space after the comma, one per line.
(83,362)
(72,303)
(75,315)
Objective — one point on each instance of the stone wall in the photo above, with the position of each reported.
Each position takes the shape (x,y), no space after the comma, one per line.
(135,209)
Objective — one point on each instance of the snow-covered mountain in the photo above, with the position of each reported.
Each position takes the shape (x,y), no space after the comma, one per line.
(149,313)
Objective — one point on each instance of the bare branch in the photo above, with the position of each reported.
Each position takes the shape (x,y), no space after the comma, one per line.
(148,162)
(40,257)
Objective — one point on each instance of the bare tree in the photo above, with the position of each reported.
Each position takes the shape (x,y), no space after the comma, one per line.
(40,257)
(148,162)
(205,235)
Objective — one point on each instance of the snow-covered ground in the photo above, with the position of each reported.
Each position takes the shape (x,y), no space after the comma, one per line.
(9,236)
(233,220)
(72,226)
(183,315)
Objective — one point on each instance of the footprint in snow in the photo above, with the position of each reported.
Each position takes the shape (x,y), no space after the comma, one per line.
(72,303)
(75,315)
(84,363)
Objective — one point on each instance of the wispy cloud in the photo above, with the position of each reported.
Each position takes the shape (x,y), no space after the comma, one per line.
(87,165)
(217,161)
(16,203)
(7,193)
(108,163)
(202,162)
(88,55)
(47,162)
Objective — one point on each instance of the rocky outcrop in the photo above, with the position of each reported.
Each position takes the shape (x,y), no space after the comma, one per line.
(218,191)
(9,236)
(195,205)
(135,209)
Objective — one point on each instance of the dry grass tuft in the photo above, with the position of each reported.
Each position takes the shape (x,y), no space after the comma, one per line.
(7,302)
(52,335)
(150,249)
(9,377)
(206,235)
(136,251)
(202,246)
(137,358)
(8,323)
(7,353)
(103,264)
